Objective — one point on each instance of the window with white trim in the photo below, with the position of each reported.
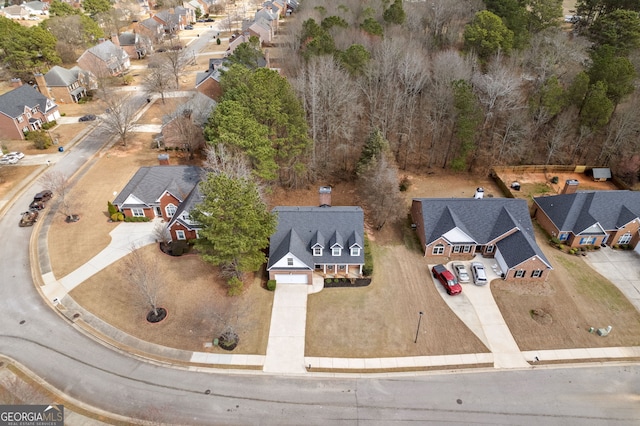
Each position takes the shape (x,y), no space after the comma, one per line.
(520,273)
(170,210)
(197,234)
(457,249)
(180,235)
(20,119)
(536,273)
(489,248)
(438,249)
(336,251)
(466,249)
(289,261)
(563,236)
(137,212)
(355,251)
(625,239)
(317,251)
(587,240)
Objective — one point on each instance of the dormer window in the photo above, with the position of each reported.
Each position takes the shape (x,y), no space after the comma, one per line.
(317,251)
(336,251)
(355,251)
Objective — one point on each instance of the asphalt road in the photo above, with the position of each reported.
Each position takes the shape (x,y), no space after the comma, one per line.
(33,334)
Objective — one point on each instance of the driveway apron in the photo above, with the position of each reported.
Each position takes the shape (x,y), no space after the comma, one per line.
(285,350)
(622,268)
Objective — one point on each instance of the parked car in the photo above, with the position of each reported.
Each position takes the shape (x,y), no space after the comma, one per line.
(479,273)
(28,218)
(188,27)
(43,196)
(209,20)
(8,160)
(461,272)
(17,154)
(447,279)
(88,117)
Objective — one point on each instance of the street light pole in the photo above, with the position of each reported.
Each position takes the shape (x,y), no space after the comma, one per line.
(418,330)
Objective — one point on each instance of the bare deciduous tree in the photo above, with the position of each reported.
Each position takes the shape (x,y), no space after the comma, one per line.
(142,271)
(120,116)
(380,190)
(221,159)
(176,60)
(58,183)
(158,80)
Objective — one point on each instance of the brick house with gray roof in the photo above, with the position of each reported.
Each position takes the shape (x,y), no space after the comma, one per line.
(25,109)
(65,85)
(105,60)
(167,192)
(591,217)
(459,229)
(325,239)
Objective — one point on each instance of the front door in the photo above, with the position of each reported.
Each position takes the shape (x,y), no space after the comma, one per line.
(157,211)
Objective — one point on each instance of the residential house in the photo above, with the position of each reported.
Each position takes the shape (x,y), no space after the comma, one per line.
(169,20)
(105,59)
(15,12)
(150,28)
(136,45)
(326,240)
(268,15)
(65,85)
(184,127)
(591,217)
(208,82)
(37,8)
(164,191)
(276,6)
(498,228)
(261,29)
(195,5)
(24,109)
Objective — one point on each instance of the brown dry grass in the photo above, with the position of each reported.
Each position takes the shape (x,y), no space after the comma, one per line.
(72,245)
(577,298)
(381,320)
(194,297)
(154,114)
(10,175)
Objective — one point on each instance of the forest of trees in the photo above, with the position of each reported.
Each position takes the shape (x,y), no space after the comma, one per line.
(467,84)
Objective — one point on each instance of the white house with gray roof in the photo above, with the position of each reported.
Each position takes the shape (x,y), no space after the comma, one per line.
(325,240)
(499,228)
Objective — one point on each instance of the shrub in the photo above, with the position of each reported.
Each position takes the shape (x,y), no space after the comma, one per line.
(63,114)
(271,285)
(554,179)
(561,246)
(46,126)
(40,139)
(405,183)
(596,247)
(218,41)
(234,286)
(117,217)
(367,268)
(555,241)
(111,208)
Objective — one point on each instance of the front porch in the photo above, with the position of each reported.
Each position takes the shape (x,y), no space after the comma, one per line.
(338,271)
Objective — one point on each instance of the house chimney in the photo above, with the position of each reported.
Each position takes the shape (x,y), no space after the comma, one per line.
(115,40)
(570,186)
(42,84)
(16,82)
(325,196)
(479,194)
(163,159)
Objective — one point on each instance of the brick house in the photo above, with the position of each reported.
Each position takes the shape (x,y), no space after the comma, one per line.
(325,239)
(24,109)
(498,228)
(105,59)
(208,82)
(150,28)
(167,192)
(136,45)
(65,85)
(590,217)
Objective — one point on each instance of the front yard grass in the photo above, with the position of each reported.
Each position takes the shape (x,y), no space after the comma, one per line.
(577,298)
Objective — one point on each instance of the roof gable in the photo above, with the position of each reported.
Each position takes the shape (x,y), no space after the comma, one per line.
(149,183)
(14,102)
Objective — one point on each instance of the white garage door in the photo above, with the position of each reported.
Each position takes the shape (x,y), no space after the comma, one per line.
(291,279)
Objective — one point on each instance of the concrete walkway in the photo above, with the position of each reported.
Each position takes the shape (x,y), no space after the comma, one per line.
(621,267)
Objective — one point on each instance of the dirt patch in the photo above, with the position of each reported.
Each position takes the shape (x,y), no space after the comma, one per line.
(10,175)
(541,316)
(195,298)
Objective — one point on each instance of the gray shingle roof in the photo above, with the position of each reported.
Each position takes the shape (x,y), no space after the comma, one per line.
(149,183)
(107,50)
(581,210)
(299,228)
(13,103)
(484,220)
(60,77)
(189,203)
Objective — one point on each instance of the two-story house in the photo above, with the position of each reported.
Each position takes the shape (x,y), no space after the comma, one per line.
(24,109)
(65,85)
(105,60)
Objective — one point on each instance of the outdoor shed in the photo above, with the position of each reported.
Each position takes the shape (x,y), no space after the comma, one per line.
(601,174)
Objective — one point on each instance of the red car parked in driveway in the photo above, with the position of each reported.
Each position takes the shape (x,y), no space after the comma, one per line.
(447,279)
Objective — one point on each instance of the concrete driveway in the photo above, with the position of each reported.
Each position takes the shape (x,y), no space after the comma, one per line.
(621,267)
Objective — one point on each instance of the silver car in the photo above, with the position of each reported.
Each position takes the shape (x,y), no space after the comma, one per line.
(461,272)
(479,273)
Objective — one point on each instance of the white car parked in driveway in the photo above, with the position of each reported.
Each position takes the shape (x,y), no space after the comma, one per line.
(479,273)
(461,272)
(18,155)
(8,160)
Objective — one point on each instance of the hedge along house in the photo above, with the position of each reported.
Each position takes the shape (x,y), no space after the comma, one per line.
(167,192)
(591,218)
(498,228)
(326,240)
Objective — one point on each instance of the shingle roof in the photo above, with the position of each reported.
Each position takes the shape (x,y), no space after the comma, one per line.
(189,203)
(299,228)
(60,77)
(581,210)
(484,220)
(13,103)
(107,50)
(149,183)
(601,173)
